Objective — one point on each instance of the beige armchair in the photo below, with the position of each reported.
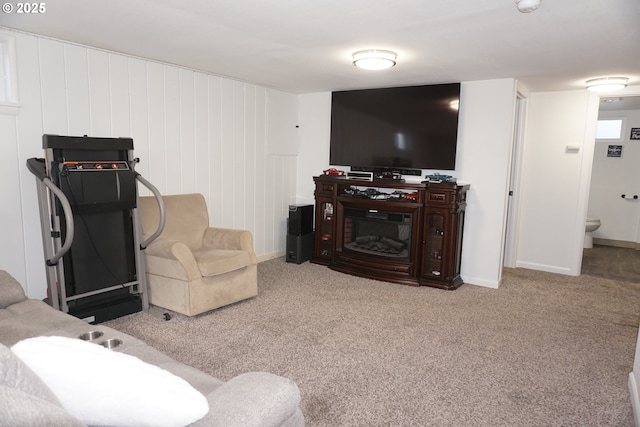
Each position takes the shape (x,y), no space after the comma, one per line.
(191,267)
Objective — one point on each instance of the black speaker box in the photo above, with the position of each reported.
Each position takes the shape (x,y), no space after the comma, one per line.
(299,248)
(300,220)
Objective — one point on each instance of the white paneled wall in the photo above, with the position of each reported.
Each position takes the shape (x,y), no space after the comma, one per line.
(193,132)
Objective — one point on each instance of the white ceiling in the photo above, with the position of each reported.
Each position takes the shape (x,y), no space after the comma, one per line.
(304,46)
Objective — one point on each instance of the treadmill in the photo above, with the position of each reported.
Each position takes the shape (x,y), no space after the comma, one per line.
(91,233)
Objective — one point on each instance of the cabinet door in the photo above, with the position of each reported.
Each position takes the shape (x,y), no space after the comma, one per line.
(325,229)
(435,231)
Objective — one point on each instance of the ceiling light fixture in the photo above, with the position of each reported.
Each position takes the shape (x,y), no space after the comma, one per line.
(526,6)
(374,59)
(607,84)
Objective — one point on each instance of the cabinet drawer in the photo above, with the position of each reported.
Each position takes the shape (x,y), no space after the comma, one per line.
(440,197)
(325,188)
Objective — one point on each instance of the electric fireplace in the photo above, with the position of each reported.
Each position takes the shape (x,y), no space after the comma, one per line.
(389,230)
(377,232)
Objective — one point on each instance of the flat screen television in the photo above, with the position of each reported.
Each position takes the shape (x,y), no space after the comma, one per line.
(397,129)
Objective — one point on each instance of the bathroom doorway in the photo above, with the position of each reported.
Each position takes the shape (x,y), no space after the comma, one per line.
(615,180)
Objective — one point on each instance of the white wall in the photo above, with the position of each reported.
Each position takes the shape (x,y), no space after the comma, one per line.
(485,135)
(232,141)
(12,249)
(487,110)
(554,192)
(613,176)
(315,130)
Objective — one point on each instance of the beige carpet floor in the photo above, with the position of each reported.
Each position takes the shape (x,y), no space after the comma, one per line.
(542,350)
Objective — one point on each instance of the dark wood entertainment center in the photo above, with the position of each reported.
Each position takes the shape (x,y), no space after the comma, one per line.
(407,233)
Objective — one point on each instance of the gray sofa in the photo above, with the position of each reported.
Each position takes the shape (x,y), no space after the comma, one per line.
(251,399)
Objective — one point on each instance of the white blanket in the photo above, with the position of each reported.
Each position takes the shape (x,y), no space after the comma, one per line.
(102,387)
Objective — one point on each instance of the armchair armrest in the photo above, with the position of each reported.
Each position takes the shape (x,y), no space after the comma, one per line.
(255,399)
(169,249)
(227,238)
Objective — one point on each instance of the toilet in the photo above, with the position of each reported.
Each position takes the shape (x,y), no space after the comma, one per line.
(592,225)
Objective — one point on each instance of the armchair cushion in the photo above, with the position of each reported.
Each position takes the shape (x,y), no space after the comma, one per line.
(176,260)
(220,261)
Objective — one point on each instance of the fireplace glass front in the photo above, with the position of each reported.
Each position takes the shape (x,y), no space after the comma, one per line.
(376,232)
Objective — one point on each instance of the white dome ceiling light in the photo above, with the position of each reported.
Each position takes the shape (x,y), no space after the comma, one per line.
(374,59)
(526,6)
(607,84)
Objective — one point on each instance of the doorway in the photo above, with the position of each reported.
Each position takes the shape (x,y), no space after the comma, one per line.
(615,179)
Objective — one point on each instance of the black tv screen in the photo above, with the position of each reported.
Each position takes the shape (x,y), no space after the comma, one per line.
(413,127)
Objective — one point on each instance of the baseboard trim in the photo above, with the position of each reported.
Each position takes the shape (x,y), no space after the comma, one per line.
(616,243)
(635,398)
(545,267)
(480,282)
(270,256)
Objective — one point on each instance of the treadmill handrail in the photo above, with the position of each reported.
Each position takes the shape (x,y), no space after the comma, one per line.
(158,197)
(38,168)
(68,217)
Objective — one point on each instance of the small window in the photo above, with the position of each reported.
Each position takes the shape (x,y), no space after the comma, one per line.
(609,129)
(8,73)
